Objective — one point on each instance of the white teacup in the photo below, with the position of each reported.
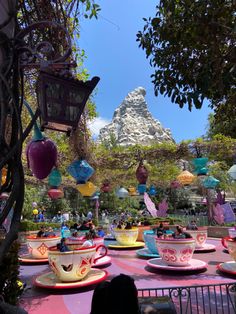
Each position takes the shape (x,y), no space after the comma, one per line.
(38,247)
(200,237)
(231,244)
(75,242)
(72,265)
(176,252)
(232,232)
(126,236)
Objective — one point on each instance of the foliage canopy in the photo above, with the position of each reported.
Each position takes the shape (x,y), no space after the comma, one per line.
(191,46)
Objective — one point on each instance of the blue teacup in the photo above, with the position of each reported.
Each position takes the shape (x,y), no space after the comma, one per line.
(150,241)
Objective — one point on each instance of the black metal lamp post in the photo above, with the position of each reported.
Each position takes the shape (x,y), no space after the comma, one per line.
(62,100)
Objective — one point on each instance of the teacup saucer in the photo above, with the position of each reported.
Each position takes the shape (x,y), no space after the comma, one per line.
(28,259)
(206,248)
(103,261)
(194,264)
(50,281)
(227,267)
(146,253)
(132,246)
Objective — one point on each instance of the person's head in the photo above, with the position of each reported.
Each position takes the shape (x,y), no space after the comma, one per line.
(161,225)
(42,228)
(50,229)
(100,298)
(179,230)
(127,302)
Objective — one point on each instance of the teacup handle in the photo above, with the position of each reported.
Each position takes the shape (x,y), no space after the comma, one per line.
(101,256)
(223,242)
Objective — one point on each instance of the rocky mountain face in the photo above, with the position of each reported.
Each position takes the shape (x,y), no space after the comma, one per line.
(132,123)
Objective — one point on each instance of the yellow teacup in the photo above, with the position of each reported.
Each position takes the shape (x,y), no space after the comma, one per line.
(126,236)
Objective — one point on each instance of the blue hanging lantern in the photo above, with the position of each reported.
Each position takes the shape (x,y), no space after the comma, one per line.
(81,171)
(200,165)
(210,182)
(54,178)
(122,192)
(152,190)
(142,188)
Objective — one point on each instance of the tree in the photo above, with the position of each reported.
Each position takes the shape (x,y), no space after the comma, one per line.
(191,46)
(19,48)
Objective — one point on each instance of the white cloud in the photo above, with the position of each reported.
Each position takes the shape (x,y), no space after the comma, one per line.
(97,124)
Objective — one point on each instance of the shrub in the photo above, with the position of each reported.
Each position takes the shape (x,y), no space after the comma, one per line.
(9,271)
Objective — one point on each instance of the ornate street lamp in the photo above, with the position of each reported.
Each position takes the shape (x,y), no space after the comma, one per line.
(62,100)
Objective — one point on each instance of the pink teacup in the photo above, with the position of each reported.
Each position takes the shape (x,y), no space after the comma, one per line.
(38,247)
(231,244)
(224,242)
(176,252)
(73,265)
(200,237)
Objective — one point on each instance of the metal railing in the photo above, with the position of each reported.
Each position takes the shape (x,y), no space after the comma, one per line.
(200,220)
(210,299)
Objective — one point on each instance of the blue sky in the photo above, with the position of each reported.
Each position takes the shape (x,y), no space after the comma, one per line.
(113,55)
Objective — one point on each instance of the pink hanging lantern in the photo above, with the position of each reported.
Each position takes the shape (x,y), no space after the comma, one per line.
(142,173)
(55,193)
(106,187)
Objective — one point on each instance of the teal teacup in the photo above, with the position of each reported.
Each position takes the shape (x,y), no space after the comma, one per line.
(149,237)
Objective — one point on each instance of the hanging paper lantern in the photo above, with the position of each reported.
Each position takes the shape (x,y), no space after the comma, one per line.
(232,172)
(35,211)
(200,165)
(86,189)
(142,173)
(142,188)
(81,171)
(122,192)
(132,191)
(152,190)
(106,187)
(210,182)
(185,177)
(41,157)
(3,175)
(175,184)
(54,178)
(55,193)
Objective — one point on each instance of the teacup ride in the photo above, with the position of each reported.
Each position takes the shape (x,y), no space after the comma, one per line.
(72,269)
(150,251)
(176,255)
(38,249)
(126,239)
(232,234)
(75,242)
(229,267)
(200,237)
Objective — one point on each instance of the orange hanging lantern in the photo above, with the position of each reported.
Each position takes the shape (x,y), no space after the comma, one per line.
(87,189)
(132,191)
(4,175)
(185,177)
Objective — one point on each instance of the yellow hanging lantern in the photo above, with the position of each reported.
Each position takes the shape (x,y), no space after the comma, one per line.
(35,211)
(87,189)
(4,175)
(185,177)
(132,191)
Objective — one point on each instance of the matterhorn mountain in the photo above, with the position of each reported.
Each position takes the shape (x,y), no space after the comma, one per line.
(132,123)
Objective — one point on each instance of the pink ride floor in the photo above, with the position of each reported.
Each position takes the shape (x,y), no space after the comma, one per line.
(77,301)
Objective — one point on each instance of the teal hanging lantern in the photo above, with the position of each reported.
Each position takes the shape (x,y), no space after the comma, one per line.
(210,182)
(54,178)
(200,167)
